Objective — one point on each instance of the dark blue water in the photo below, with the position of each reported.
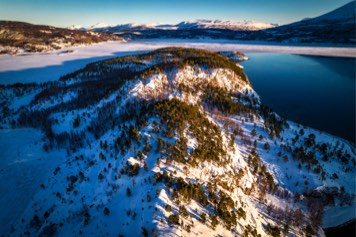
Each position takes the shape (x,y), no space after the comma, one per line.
(318,92)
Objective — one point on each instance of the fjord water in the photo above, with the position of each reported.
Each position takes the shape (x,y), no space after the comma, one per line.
(318,92)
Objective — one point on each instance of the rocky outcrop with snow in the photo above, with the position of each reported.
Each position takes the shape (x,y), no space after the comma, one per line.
(175,142)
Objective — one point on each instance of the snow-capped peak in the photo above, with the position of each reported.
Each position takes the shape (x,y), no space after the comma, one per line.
(224,24)
(76,27)
(197,24)
(98,25)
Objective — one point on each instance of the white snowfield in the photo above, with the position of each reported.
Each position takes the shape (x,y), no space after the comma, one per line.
(23,167)
(41,67)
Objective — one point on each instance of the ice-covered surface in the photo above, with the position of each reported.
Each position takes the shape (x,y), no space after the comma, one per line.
(40,67)
(337,216)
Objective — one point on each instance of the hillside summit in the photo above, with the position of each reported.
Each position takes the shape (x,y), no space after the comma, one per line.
(175,142)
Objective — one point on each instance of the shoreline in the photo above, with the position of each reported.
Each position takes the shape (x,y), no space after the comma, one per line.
(29,67)
(327,50)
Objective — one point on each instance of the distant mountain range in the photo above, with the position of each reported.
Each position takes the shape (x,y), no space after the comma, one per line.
(189,25)
(337,27)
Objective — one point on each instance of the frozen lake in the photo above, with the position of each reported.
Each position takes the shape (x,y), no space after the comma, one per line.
(43,67)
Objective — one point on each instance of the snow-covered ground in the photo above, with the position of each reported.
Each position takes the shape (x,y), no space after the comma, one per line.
(24,162)
(41,67)
(24,166)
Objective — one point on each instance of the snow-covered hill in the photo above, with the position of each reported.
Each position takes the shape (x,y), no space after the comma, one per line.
(174,142)
(19,37)
(76,27)
(137,27)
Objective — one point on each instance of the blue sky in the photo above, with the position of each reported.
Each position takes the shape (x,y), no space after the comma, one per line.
(64,13)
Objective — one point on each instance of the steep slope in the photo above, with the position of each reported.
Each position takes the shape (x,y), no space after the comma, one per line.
(345,13)
(175,142)
(337,26)
(19,36)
